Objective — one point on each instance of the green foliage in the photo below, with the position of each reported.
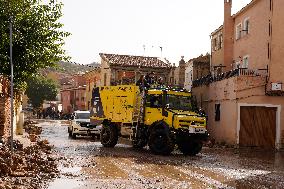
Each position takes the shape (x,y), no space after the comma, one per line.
(38,38)
(40,89)
(71,68)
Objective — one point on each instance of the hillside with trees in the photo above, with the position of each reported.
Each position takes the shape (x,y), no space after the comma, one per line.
(72,68)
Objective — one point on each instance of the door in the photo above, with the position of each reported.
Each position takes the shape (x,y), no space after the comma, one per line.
(153,109)
(257,126)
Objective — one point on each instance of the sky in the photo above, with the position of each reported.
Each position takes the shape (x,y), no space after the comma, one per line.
(141,27)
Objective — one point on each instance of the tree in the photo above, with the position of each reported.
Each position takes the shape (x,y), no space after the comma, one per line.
(40,89)
(38,38)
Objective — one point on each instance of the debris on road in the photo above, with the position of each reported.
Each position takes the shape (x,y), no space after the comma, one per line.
(27,167)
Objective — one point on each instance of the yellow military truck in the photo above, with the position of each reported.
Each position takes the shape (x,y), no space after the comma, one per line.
(161,118)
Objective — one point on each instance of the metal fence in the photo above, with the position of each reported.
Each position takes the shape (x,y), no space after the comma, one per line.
(232,73)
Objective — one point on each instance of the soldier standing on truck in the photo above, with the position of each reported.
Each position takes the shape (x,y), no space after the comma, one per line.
(142,83)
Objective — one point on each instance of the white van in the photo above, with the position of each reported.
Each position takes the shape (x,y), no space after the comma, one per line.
(80,125)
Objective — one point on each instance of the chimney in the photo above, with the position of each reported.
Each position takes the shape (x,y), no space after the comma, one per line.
(228,35)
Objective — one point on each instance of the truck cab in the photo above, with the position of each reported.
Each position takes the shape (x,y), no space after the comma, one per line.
(175,108)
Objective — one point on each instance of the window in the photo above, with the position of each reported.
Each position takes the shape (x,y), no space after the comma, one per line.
(154,101)
(239,31)
(268,50)
(220,41)
(217,112)
(105,78)
(214,44)
(269,28)
(190,76)
(245,61)
(176,102)
(246,26)
(82,115)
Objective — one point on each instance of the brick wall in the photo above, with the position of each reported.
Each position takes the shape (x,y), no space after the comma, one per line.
(4,108)
(4,116)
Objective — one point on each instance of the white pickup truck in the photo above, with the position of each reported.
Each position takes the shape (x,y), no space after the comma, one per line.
(80,125)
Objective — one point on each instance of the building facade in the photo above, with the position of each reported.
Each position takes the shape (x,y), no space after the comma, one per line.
(127,69)
(243,96)
(179,74)
(196,68)
(73,99)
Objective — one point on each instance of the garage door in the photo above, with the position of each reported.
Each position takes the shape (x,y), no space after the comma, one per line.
(257,126)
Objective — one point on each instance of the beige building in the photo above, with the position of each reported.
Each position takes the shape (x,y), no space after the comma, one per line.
(196,68)
(244,96)
(126,69)
(179,73)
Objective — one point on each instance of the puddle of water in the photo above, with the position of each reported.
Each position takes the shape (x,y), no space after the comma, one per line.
(64,183)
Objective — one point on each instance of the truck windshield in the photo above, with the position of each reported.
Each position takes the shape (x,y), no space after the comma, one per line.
(178,102)
(82,116)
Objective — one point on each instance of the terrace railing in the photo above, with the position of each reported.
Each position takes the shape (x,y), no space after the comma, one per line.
(232,73)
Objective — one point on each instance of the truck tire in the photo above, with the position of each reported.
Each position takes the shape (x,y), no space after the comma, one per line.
(190,148)
(73,135)
(109,135)
(160,141)
(70,132)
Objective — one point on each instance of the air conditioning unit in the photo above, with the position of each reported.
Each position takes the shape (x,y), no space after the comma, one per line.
(276,86)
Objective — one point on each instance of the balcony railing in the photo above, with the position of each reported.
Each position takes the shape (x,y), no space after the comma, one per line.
(232,73)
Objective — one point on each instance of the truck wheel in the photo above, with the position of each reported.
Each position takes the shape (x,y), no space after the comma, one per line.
(73,135)
(190,148)
(160,142)
(69,132)
(109,136)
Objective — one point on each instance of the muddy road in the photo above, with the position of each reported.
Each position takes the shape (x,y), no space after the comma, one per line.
(84,163)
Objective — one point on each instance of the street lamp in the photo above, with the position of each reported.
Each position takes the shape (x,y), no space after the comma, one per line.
(12,83)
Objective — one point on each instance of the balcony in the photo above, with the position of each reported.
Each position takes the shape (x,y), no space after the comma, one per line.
(239,72)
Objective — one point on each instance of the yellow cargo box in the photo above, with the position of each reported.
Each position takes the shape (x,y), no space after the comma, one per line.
(118,103)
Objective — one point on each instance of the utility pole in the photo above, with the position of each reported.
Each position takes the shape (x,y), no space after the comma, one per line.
(161,48)
(12,84)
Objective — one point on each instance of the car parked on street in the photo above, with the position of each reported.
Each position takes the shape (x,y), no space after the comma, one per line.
(80,125)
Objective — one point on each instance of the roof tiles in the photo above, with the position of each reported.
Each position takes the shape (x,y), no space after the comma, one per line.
(137,61)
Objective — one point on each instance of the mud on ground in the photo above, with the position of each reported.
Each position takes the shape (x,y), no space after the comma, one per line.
(84,163)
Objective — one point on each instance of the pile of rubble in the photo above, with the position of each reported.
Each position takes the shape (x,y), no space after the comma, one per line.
(26,167)
(33,130)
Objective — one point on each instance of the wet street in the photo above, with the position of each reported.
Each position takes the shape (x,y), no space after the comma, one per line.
(84,163)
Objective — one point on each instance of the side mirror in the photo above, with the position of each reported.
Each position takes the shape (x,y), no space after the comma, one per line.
(167,106)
